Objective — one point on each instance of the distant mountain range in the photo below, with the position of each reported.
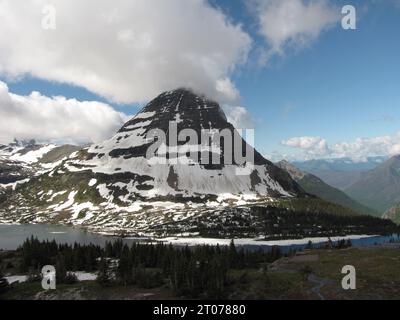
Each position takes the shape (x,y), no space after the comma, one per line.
(379,188)
(340,173)
(374,183)
(314,185)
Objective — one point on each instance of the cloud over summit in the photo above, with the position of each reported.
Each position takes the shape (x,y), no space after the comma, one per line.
(126,51)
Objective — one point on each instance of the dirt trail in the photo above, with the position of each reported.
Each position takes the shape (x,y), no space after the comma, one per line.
(319,284)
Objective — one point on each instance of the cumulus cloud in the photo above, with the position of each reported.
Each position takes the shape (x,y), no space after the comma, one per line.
(55,119)
(312,146)
(364,147)
(126,51)
(293,23)
(359,149)
(239,117)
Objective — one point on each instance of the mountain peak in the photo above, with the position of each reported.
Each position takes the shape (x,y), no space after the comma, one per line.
(395,159)
(294,172)
(188,109)
(182,90)
(192,166)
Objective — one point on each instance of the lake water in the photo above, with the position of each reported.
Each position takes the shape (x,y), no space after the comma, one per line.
(362,242)
(12,236)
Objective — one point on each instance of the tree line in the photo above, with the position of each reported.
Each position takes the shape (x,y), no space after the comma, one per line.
(200,271)
(277,223)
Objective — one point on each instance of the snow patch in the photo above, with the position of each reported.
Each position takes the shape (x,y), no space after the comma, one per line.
(19,279)
(68,203)
(33,156)
(85,276)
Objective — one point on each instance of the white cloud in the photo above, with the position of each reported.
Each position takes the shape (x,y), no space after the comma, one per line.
(226,88)
(312,146)
(293,23)
(55,119)
(359,149)
(364,147)
(126,51)
(239,117)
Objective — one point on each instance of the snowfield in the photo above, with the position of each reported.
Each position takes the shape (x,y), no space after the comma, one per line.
(80,275)
(255,242)
(32,156)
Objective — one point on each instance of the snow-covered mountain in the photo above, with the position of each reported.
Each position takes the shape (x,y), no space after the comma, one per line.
(151,178)
(115,184)
(119,186)
(25,153)
(20,161)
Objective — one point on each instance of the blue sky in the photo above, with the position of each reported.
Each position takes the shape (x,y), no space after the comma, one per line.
(341,86)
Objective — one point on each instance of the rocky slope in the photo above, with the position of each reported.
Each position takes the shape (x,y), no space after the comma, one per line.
(393,214)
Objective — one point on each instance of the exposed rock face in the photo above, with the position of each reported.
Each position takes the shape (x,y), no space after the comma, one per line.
(393,214)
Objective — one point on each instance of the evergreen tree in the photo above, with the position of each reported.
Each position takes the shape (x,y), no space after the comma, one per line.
(125,267)
(193,272)
(104,274)
(70,278)
(61,271)
(232,255)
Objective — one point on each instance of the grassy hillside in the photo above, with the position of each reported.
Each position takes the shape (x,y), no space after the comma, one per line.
(59,153)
